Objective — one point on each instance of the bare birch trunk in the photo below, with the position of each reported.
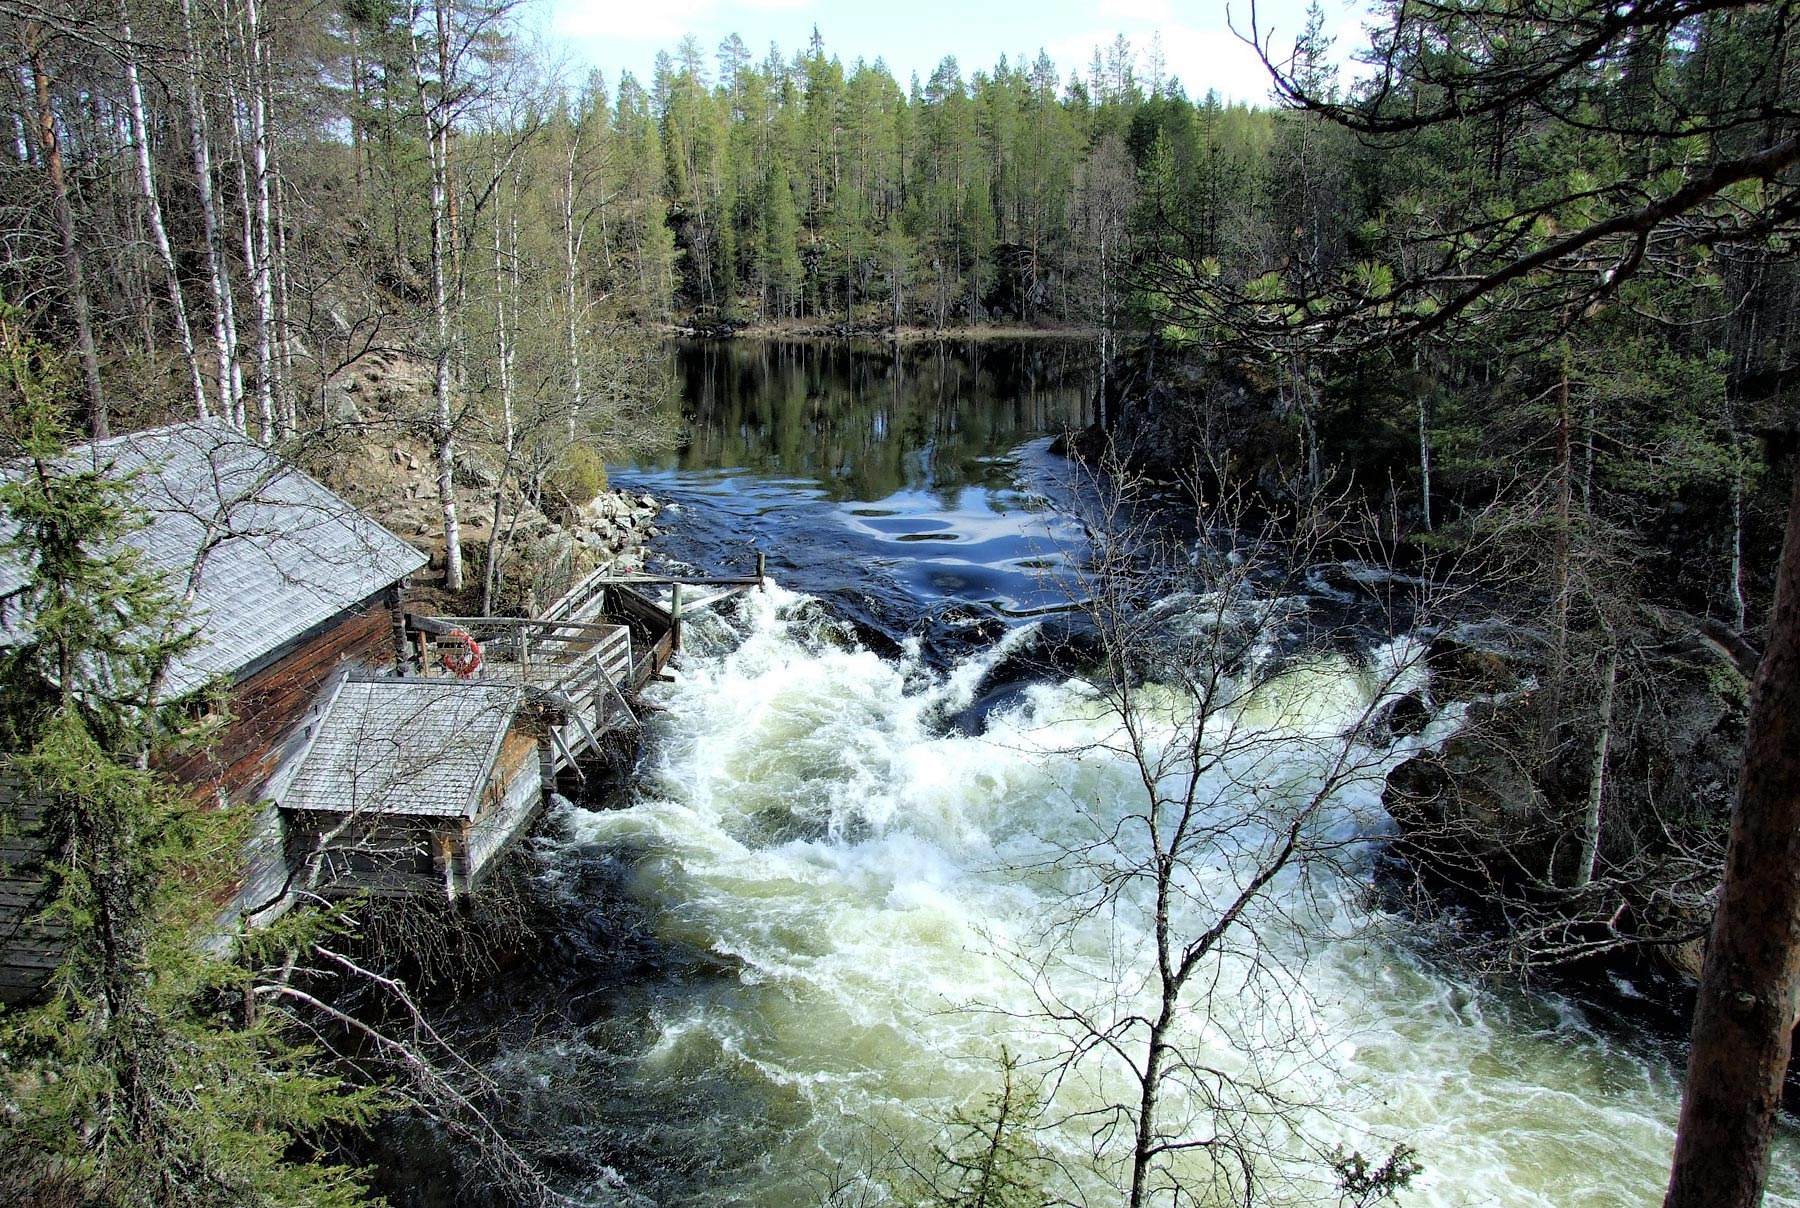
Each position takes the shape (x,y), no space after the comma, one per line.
(571,248)
(358,138)
(287,395)
(1738,608)
(1590,818)
(218,282)
(506,279)
(436,118)
(265,242)
(159,234)
(246,213)
(1550,723)
(1424,452)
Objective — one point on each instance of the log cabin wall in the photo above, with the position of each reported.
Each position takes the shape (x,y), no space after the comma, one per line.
(384,854)
(268,705)
(30,947)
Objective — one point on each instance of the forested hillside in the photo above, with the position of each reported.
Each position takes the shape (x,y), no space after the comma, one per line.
(294,219)
(290,162)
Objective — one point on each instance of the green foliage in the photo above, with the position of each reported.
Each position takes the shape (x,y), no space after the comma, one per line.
(991,1159)
(146,1076)
(139,1081)
(100,629)
(579,475)
(1361,1183)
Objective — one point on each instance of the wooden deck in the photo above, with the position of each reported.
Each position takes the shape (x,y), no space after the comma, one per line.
(576,669)
(579,674)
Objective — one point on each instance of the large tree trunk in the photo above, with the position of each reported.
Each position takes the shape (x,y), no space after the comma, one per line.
(1744,1018)
(48,144)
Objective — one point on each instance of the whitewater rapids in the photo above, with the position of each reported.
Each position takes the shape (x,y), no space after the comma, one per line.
(871,886)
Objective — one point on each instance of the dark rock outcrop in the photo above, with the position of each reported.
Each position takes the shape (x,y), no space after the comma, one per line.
(1494,816)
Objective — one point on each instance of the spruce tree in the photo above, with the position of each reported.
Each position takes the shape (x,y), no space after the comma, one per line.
(139,1079)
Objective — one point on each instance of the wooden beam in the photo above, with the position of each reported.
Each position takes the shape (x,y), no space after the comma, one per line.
(690,580)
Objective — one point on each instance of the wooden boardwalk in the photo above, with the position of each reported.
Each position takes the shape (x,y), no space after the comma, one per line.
(586,655)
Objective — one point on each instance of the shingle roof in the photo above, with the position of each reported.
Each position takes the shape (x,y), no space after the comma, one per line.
(403,746)
(278,552)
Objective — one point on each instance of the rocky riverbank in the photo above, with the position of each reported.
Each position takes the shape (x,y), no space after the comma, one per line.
(1494,821)
(1578,817)
(541,545)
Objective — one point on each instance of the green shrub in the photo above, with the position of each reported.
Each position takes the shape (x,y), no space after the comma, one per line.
(578,476)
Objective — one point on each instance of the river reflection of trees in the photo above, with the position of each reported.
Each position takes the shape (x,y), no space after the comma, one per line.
(867,420)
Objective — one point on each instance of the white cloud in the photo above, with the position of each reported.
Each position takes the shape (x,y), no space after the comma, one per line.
(1202,58)
(609,20)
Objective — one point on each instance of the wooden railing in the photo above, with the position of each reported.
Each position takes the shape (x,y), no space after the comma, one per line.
(580,598)
(557,655)
(587,667)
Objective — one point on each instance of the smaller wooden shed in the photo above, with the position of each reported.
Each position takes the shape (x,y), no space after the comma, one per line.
(410,785)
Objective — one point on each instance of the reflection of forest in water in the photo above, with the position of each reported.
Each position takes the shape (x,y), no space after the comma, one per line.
(866,420)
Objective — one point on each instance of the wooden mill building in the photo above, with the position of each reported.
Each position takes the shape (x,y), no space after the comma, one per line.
(378,768)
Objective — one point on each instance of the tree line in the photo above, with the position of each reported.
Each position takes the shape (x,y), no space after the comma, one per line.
(229,209)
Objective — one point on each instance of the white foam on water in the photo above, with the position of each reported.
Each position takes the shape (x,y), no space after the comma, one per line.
(885,888)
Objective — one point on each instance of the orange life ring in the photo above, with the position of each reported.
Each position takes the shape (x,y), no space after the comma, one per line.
(465,664)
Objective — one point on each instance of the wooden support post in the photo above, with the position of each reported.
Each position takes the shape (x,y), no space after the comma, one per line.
(675,617)
(447,854)
(397,603)
(761,567)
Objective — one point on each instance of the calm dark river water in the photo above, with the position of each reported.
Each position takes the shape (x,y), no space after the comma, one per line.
(909,487)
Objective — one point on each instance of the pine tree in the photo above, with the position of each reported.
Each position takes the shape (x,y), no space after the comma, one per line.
(992,1161)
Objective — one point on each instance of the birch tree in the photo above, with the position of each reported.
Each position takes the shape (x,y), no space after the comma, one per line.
(153,207)
(218,278)
(1168,974)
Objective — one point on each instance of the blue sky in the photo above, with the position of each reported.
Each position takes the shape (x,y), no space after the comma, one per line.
(913,35)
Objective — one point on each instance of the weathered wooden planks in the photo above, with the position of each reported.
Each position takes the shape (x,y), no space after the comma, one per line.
(30,947)
(266,708)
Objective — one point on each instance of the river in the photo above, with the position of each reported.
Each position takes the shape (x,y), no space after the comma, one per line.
(773,968)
